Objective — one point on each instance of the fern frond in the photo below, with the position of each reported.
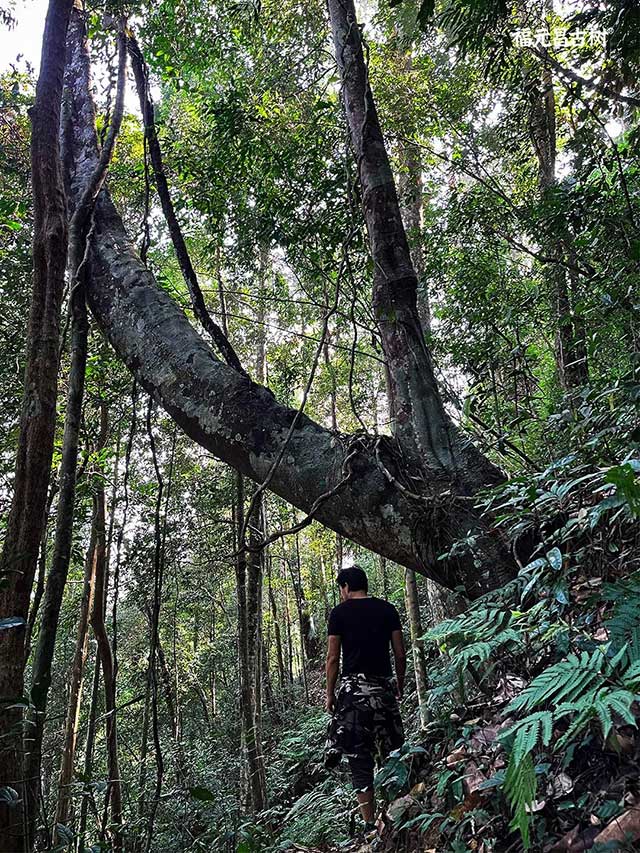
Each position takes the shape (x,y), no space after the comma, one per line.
(483,649)
(582,719)
(624,625)
(476,651)
(567,681)
(470,627)
(618,701)
(631,676)
(603,711)
(520,791)
(528,732)
(617,659)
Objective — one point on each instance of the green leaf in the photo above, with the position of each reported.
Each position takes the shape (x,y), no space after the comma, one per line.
(535,728)
(631,676)
(624,479)
(423,820)
(9,795)
(555,558)
(64,834)
(520,789)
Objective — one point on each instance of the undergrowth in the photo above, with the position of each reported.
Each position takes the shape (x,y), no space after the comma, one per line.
(534,688)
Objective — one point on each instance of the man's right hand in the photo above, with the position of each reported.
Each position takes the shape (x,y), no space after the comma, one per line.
(329,703)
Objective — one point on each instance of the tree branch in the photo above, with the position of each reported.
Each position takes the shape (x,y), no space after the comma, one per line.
(141,75)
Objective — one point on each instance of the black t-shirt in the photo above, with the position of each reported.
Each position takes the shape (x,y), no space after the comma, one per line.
(364,626)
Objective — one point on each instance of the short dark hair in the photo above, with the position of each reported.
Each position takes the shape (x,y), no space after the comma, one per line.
(355,577)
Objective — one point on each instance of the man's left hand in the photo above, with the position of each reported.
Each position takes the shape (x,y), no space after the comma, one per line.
(329,703)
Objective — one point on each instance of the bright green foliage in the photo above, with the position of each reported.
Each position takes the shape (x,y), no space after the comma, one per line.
(564,681)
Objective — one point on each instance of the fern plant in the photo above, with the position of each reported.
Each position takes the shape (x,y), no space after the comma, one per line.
(471,639)
(520,790)
(587,687)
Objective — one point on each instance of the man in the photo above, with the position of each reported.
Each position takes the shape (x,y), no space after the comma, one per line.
(366,723)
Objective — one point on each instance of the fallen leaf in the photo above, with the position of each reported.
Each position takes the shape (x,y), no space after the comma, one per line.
(399,807)
(560,785)
(473,777)
(624,828)
(574,841)
(456,757)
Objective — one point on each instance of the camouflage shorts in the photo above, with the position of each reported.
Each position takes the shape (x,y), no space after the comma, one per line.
(366,719)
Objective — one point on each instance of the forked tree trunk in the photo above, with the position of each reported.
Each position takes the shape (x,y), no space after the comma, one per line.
(422,426)
(26,520)
(358,486)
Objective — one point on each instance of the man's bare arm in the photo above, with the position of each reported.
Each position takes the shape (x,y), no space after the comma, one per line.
(333,664)
(400,658)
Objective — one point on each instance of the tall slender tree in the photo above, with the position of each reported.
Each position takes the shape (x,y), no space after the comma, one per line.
(78,234)
(35,443)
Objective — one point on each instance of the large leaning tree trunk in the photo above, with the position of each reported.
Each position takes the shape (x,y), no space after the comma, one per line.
(26,519)
(357,486)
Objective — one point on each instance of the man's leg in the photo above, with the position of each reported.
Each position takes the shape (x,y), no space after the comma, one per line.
(361,767)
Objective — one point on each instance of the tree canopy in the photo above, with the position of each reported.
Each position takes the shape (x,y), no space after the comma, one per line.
(292,285)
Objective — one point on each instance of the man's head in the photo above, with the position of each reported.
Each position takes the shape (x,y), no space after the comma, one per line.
(352,580)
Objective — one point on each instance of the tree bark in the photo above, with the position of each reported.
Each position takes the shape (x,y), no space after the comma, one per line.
(278,639)
(309,634)
(160,536)
(242,424)
(173,713)
(26,518)
(410,186)
(87,766)
(57,577)
(40,582)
